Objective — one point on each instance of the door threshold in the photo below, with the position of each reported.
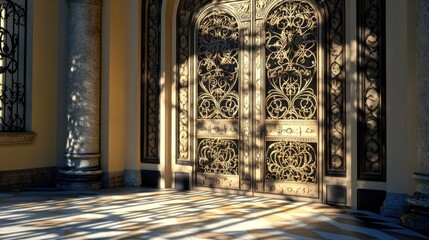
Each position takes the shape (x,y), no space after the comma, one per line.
(256,194)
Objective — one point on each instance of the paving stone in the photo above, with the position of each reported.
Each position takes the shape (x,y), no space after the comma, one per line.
(167,214)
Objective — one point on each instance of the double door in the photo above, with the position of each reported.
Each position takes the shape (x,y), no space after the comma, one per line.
(257,114)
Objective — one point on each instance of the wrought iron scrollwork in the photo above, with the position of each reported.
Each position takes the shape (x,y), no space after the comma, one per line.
(184,20)
(279,94)
(291,46)
(372,79)
(151,80)
(335,163)
(291,64)
(12,66)
(291,161)
(218,156)
(218,41)
(217,75)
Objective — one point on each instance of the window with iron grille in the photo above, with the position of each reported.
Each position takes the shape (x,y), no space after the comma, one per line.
(12,65)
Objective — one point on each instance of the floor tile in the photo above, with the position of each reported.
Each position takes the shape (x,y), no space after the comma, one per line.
(138,213)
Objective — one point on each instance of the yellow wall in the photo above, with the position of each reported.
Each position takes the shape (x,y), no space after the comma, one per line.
(120,94)
(133,84)
(41,101)
(113,85)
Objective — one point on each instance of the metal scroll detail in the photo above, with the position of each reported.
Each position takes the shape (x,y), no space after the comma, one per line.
(291,161)
(291,48)
(218,105)
(218,156)
(150,81)
(184,20)
(217,72)
(335,163)
(372,165)
(12,66)
(292,40)
(291,119)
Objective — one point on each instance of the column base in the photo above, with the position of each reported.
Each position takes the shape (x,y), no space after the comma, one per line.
(416,217)
(394,205)
(80,180)
(132,178)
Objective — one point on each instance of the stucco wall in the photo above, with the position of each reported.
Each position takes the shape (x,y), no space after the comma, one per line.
(113,86)
(120,94)
(47,75)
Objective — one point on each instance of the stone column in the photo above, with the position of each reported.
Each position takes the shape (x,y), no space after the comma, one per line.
(417,215)
(82,167)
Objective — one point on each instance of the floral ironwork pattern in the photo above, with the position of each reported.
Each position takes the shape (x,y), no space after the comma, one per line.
(12,66)
(291,65)
(184,17)
(218,156)
(336,165)
(334,12)
(372,79)
(291,161)
(150,81)
(217,70)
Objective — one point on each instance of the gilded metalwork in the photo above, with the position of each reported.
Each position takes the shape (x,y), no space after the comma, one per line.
(288,73)
(372,79)
(261,7)
(12,65)
(218,68)
(258,108)
(217,156)
(151,81)
(291,161)
(220,181)
(222,106)
(185,13)
(335,163)
(291,63)
(275,78)
(298,129)
(246,112)
(218,129)
(244,10)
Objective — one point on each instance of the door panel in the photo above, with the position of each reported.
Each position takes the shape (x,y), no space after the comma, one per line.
(289,141)
(221,71)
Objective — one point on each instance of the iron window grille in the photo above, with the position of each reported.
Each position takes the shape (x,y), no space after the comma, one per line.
(12,65)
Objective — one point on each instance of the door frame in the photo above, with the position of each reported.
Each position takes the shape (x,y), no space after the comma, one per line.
(321,82)
(333,166)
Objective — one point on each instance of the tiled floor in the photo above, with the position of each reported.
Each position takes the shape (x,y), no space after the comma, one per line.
(136,213)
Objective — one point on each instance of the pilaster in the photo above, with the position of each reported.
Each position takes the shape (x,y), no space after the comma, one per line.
(417,215)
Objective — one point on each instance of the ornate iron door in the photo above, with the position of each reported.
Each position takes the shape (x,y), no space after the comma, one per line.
(258,128)
(288,99)
(222,113)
